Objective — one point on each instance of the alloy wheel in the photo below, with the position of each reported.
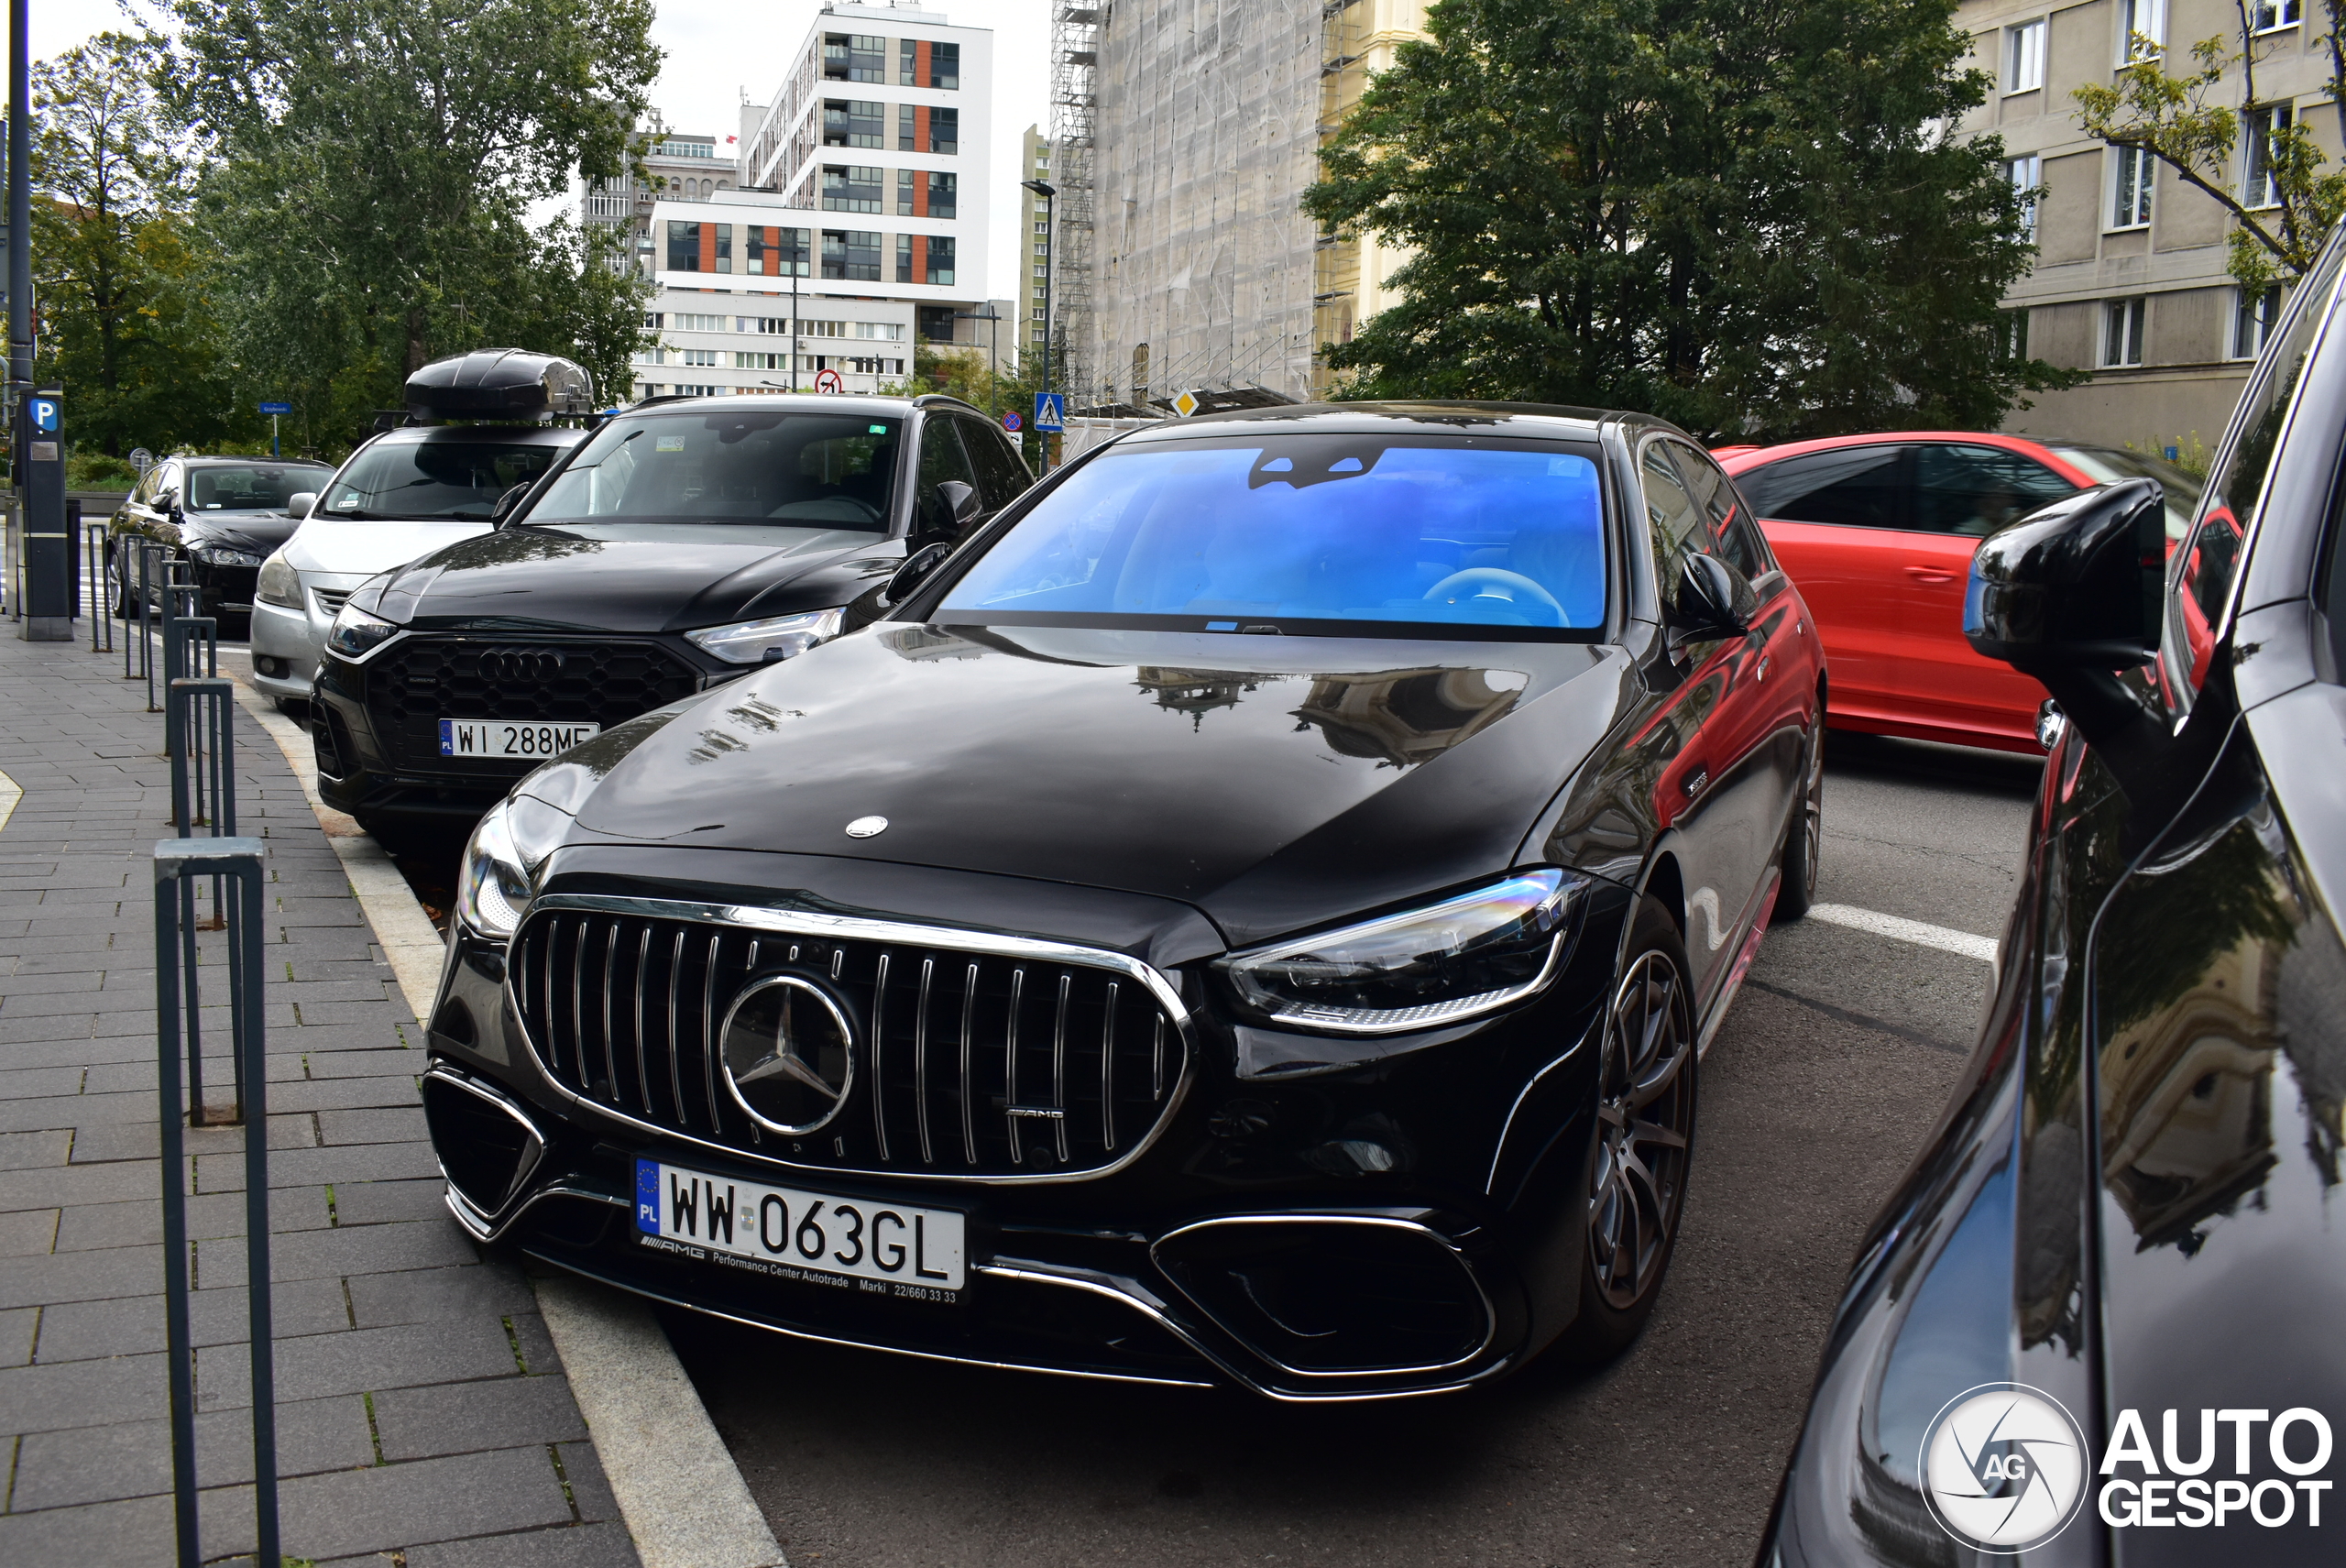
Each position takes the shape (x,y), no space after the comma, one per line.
(1811,818)
(1645,1118)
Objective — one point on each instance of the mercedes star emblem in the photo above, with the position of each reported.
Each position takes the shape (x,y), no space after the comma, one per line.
(788,1054)
(865,827)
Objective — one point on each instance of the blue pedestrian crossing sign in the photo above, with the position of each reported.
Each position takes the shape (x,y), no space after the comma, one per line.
(1050,410)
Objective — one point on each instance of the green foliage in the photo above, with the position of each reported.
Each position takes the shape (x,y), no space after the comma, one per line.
(90,471)
(128,328)
(1742,218)
(370,165)
(962,373)
(2171,116)
(2191,453)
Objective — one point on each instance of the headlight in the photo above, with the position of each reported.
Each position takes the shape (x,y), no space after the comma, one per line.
(221,555)
(501,862)
(279,584)
(355,634)
(760,641)
(1451,960)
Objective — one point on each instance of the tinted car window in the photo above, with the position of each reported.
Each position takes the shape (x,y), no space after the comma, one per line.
(2106,463)
(1000,476)
(434,478)
(214,487)
(814,470)
(1976,490)
(942,460)
(1734,534)
(1679,526)
(1856,487)
(1363,530)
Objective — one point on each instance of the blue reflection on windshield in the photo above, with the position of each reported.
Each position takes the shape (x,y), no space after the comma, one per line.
(1315,528)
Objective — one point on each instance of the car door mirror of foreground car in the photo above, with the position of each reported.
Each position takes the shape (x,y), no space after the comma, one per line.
(508,501)
(1714,600)
(297,505)
(913,571)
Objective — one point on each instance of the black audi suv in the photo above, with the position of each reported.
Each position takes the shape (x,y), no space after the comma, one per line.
(1249,915)
(2098,1323)
(687,541)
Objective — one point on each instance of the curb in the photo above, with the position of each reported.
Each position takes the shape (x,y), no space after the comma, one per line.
(648,1422)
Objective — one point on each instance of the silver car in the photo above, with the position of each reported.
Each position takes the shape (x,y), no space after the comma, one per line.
(404,494)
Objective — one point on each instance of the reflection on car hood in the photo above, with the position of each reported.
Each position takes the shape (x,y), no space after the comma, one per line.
(258,531)
(362,549)
(661,580)
(1273,783)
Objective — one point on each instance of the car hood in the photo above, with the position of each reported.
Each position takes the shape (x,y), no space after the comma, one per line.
(612,580)
(258,531)
(350,548)
(1274,783)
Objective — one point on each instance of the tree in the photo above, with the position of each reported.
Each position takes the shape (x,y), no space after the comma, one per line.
(1750,220)
(2276,230)
(127,327)
(372,164)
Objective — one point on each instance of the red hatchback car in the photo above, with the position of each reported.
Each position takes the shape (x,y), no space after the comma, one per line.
(1878,531)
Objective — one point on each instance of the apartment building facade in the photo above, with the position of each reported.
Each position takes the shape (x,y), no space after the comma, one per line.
(2129,280)
(1034,241)
(675,166)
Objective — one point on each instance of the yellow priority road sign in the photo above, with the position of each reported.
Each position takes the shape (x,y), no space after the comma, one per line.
(1187,403)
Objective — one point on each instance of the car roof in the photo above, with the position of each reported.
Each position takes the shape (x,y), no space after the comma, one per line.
(1739,459)
(253,462)
(795,402)
(1461,417)
(503,435)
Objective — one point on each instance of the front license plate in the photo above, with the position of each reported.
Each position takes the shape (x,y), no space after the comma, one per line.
(889,1249)
(496,737)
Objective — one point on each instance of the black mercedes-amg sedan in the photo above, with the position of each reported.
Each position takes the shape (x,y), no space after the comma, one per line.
(688,540)
(1251,914)
(2099,1323)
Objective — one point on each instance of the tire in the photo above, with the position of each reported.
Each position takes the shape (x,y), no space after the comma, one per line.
(1804,843)
(123,609)
(1641,1151)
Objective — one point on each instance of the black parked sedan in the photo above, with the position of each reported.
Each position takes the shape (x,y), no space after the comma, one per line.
(688,540)
(221,516)
(2099,1321)
(1251,915)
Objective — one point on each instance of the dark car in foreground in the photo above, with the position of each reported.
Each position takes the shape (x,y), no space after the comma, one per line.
(687,541)
(219,517)
(2099,1321)
(1251,916)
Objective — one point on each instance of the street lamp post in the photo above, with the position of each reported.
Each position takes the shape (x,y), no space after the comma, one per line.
(1049,193)
(993,365)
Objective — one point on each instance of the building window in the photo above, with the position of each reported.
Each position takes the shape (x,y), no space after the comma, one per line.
(651,357)
(944,66)
(687,390)
(904,259)
(698,356)
(851,122)
(944,194)
(789,250)
(2260,129)
(907,128)
(2270,16)
(2024,57)
(653,319)
(886,331)
(2253,319)
(2027,175)
(696,323)
(2014,325)
(945,130)
(854,57)
(940,258)
(850,188)
(683,246)
(2130,206)
(2121,331)
(2142,29)
(907,63)
(646,389)
(936,323)
(760,361)
(851,255)
(724,247)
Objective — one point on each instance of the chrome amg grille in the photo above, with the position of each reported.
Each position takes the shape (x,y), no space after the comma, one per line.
(968,1063)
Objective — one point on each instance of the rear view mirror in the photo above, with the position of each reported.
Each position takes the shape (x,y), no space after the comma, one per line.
(915,569)
(297,506)
(508,501)
(2075,586)
(1714,600)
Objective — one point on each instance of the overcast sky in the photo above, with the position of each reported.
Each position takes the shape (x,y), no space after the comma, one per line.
(719,50)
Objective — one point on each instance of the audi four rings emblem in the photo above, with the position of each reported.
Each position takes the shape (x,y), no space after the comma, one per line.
(521,667)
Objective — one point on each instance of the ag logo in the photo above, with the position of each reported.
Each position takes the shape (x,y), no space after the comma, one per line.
(787,1055)
(2003,1467)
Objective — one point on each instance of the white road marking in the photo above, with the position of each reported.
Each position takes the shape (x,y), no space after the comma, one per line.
(1898,929)
(9,796)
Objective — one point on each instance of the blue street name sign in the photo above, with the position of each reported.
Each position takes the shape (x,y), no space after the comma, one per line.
(1050,410)
(1011,421)
(276,408)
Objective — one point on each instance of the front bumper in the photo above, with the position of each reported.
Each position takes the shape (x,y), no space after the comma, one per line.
(288,643)
(1448,1178)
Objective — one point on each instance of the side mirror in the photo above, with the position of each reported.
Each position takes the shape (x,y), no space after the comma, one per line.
(2076,586)
(299,506)
(167,502)
(1714,600)
(508,501)
(961,500)
(916,568)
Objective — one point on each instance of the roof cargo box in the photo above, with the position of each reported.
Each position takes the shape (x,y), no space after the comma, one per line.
(500,383)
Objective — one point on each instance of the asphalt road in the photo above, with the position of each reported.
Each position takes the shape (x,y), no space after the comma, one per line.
(1840,1054)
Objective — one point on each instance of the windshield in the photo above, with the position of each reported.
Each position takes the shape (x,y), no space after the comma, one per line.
(1332,534)
(456,479)
(816,470)
(264,488)
(2107,464)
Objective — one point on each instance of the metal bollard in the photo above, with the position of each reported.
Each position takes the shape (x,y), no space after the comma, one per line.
(190,645)
(150,585)
(238,862)
(95,556)
(198,737)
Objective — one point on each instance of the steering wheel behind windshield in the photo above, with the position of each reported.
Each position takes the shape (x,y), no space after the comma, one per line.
(1512,588)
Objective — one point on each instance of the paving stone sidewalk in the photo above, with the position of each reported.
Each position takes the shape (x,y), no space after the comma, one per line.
(423,1419)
